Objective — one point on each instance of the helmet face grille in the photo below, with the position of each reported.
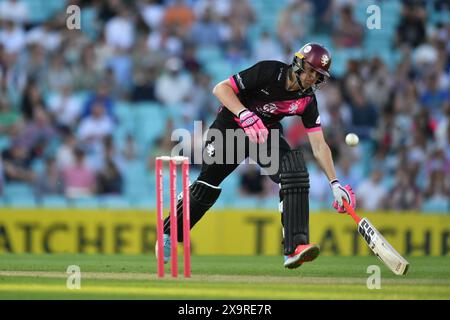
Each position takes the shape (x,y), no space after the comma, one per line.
(298,68)
(319,83)
(297,64)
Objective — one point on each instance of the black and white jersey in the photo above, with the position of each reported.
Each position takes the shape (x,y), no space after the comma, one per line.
(262,89)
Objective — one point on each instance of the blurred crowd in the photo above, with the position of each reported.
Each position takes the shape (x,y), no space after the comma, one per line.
(59,89)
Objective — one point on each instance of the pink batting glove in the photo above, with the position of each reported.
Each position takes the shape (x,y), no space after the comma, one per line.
(340,192)
(253,126)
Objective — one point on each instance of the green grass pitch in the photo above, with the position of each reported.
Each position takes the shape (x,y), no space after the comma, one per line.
(218,277)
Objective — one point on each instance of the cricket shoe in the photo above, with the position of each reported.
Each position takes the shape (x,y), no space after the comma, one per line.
(303,253)
(166,248)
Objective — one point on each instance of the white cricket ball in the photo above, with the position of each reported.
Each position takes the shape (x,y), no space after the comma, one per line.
(351,139)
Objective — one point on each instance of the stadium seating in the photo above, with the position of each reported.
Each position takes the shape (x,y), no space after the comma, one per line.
(54,202)
(15,190)
(205,54)
(88,16)
(113,202)
(136,181)
(147,203)
(22,201)
(4,142)
(246,203)
(85,203)
(40,10)
(147,121)
(38,166)
(441,206)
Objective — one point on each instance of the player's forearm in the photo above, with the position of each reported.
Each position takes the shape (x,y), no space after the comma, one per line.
(323,157)
(228,98)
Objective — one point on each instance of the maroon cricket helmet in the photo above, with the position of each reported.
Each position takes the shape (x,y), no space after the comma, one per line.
(316,55)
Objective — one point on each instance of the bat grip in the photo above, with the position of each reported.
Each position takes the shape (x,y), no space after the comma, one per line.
(350,211)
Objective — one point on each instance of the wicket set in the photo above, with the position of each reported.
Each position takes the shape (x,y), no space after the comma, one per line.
(173,161)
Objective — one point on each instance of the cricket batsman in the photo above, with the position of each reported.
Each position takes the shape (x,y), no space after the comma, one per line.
(254,101)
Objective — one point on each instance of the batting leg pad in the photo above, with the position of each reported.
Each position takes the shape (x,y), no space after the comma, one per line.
(294,180)
(202,198)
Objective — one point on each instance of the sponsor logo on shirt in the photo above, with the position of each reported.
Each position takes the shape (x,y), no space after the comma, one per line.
(293,107)
(267,108)
(318,120)
(265,91)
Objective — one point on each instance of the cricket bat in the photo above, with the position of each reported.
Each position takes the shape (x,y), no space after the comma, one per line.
(378,244)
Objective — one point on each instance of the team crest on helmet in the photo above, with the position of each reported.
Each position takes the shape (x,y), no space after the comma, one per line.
(324,60)
(307,49)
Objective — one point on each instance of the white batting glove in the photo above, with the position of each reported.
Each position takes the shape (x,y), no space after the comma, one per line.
(340,192)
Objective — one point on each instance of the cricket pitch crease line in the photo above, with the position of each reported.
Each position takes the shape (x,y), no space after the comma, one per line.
(221,278)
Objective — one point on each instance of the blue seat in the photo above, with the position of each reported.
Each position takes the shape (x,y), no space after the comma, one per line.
(40,10)
(230,186)
(17,189)
(440,17)
(270,203)
(378,40)
(120,136)
(54,201)
(147,134)
(254,33)
(219,70)
(315,205)
(441,206)
(246,203)
(390,58)
(88,21)
(146,203)
(135,167)
(360,12)
(38,166)
(392,6)
(85,203)
(150,121)
(114,202)
(339,65)
(124,114)
(126,123)
(205,54)
(388,182)
(221,203)
(4,142)
(137,181)
(137,190)
(353,53)
(22,201)
(324,40)
(390,19)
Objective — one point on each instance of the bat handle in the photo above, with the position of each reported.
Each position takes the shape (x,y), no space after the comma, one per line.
(350,211)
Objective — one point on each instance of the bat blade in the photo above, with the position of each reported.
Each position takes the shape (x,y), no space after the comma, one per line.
(382,248)
(378,244)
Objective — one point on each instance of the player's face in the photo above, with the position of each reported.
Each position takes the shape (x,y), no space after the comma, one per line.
(308,76)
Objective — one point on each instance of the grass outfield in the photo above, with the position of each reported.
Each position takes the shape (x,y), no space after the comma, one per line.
(230,277)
